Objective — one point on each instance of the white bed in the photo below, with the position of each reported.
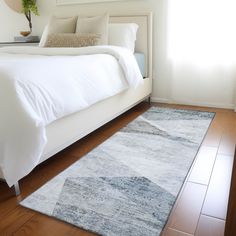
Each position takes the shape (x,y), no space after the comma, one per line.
(79,124)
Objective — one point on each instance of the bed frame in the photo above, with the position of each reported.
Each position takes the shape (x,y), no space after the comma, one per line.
(80,124)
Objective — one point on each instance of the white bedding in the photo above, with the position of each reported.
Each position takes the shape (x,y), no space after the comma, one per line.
(40,85)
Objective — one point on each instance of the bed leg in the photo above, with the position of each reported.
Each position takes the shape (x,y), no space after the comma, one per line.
(17,189)
(149,100)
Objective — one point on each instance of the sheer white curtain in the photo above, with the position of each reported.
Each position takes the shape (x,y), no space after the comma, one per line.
(202,51)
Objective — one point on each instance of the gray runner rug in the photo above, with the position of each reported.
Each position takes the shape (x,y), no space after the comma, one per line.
(128,184)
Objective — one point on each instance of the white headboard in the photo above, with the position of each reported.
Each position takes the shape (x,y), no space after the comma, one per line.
(144,35)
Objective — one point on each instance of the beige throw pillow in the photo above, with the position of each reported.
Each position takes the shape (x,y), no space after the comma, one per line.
(94,25)
(72,40)
(58,25)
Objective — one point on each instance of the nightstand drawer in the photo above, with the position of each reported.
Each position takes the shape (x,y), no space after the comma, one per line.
(9,44)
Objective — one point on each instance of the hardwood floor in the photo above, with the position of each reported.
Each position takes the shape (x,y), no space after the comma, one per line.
(230,229)
(199,210)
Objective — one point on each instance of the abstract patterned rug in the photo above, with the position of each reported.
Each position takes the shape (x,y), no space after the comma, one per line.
(128,184)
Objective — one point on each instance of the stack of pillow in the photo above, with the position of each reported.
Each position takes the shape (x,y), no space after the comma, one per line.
(88,31)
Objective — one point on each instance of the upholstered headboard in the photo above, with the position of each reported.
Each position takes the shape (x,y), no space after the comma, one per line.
(144,36)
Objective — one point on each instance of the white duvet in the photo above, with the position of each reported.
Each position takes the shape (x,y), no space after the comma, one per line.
(40,85)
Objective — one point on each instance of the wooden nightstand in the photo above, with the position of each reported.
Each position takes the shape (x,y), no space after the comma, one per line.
(9,44)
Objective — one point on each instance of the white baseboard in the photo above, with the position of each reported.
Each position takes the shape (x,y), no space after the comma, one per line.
(191,103)
(160,100)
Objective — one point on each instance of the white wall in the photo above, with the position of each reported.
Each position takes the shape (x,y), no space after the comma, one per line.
(12,23)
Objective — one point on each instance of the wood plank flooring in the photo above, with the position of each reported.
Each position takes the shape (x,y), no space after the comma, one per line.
(230,229)
(199,210)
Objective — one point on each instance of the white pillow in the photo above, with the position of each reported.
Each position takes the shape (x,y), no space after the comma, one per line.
(94,25)
(123,35)
(58,25)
